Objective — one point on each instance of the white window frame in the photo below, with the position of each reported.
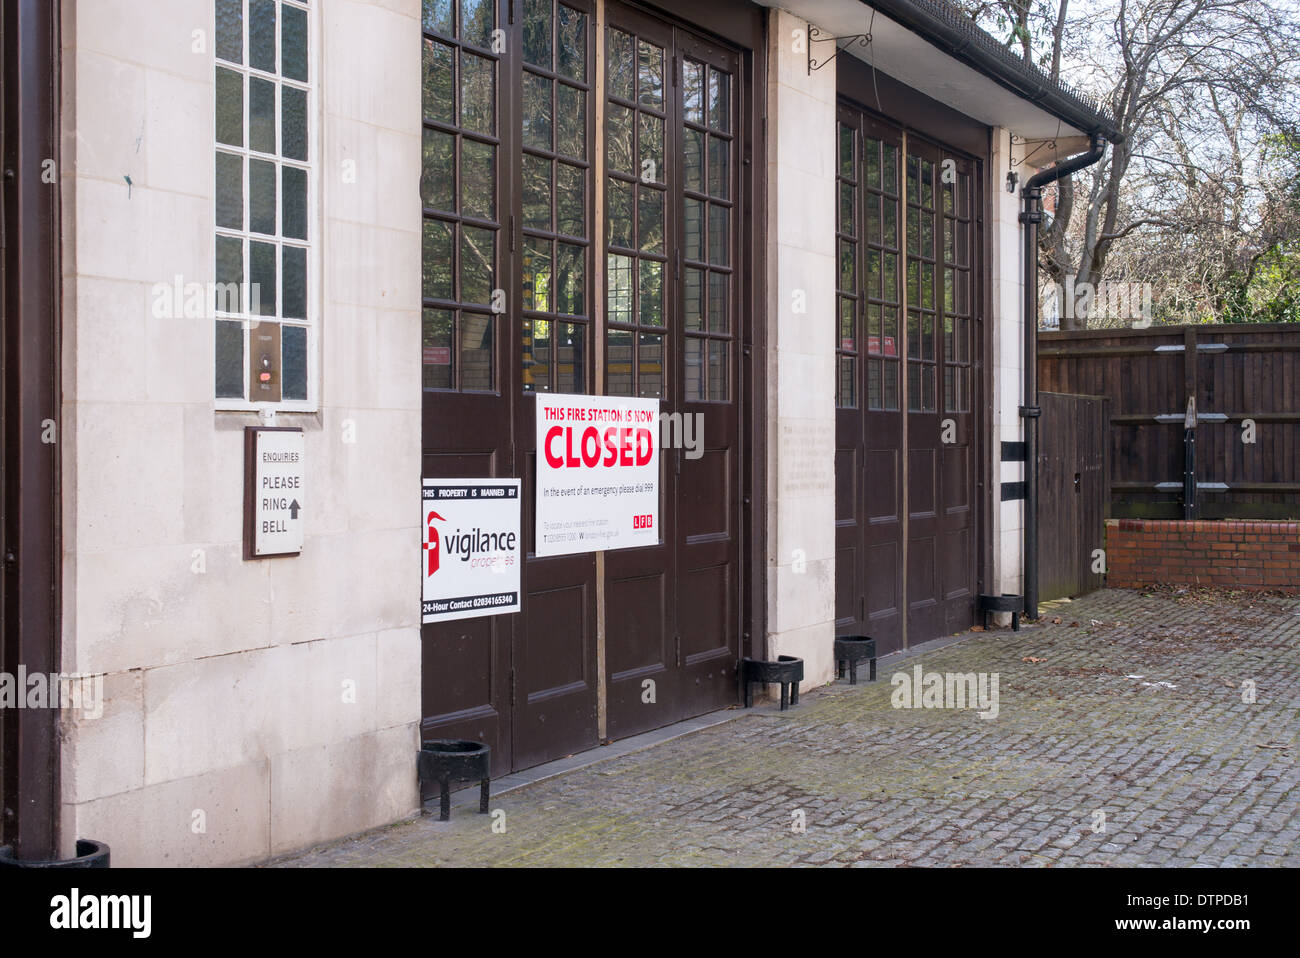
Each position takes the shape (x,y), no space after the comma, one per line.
(315,286)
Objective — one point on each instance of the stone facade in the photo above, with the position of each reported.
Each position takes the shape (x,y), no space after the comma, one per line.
(251,707)
(800,358)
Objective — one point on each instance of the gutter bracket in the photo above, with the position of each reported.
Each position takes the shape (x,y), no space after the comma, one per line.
(815,36)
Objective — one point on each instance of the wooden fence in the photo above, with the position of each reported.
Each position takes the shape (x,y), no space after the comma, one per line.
(1244,449)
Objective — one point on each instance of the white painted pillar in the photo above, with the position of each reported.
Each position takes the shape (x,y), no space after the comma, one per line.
(801,353)
(1007,359)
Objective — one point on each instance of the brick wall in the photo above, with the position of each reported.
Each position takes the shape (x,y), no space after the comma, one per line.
(1241,554)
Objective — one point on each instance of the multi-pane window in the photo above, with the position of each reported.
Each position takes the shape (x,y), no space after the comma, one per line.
(458,188)
(846,238)
(902,249)
(556,226)
(265,309)
(922,308)
(707,270)
(636,260)
(880,281)
(957,285)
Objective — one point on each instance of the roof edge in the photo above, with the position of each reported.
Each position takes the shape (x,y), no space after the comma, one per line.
(962,39)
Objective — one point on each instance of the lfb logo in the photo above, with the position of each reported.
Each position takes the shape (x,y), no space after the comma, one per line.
(432,545)
(643,522)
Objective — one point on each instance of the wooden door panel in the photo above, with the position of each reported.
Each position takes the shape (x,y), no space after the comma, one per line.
(694,602)
(634,605)
(884,505)
(706,484)
(465,663)
(922,503)
(465,684)
(555,695)
(707,113)
(643,650)
(869,420)
(907,250)
(884,576)
(848,464)
(524,683)
(640,625)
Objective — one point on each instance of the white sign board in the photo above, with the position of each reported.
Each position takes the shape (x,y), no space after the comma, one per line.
(472,548)
(279,494)
(597,473)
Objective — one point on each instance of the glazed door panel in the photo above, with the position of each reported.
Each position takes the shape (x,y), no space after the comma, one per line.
(942,445)
(556,683)
(507,304)
(869,419)
(924,453)
(672,308)
(906,449)
(708,109)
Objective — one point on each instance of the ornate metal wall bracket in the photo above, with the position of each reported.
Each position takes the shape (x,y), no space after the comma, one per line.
(1017,140)
(815,36)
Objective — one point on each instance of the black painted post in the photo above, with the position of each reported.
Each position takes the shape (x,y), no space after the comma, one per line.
(1189,461)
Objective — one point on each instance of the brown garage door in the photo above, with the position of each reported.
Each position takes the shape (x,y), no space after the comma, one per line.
(906,444)
(508,189)
(644,299)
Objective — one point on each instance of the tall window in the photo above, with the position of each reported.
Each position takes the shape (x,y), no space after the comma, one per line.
(708,148)
(957,285)
(265,308)
(870,297)
(846,345)
(557,293)
(922,309)
(880,190)
(458,186)
(636,115)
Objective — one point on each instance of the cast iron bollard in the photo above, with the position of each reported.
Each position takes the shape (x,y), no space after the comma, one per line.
(852,649)
(90,854)
(446,761)
(1006,602)
(787,670)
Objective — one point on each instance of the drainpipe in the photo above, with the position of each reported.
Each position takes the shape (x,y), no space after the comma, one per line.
(1032,214)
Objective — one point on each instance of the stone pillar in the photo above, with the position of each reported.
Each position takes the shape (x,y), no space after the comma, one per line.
(801,357)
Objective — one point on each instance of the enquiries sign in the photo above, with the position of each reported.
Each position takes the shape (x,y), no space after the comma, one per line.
(472,548)
(597,473)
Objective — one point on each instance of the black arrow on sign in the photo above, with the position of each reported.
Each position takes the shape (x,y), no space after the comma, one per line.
(293,509)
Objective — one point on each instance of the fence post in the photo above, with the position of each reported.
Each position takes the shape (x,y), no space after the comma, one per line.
(1189,460)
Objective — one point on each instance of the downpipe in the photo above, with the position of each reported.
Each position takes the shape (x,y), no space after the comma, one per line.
(1031,215)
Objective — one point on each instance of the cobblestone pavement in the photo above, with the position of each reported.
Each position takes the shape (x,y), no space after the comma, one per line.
(1130,706)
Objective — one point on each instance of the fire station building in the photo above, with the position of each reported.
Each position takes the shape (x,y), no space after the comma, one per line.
(296,274)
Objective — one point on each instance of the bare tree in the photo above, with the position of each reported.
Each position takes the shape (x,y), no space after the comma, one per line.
(1197,87)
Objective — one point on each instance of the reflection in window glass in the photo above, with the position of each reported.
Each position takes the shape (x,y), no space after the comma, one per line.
(475,353)
(293,360)
(437,348)
(536,361)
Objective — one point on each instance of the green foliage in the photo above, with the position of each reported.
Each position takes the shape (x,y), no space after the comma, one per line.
(1273,292)
(1269,290)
